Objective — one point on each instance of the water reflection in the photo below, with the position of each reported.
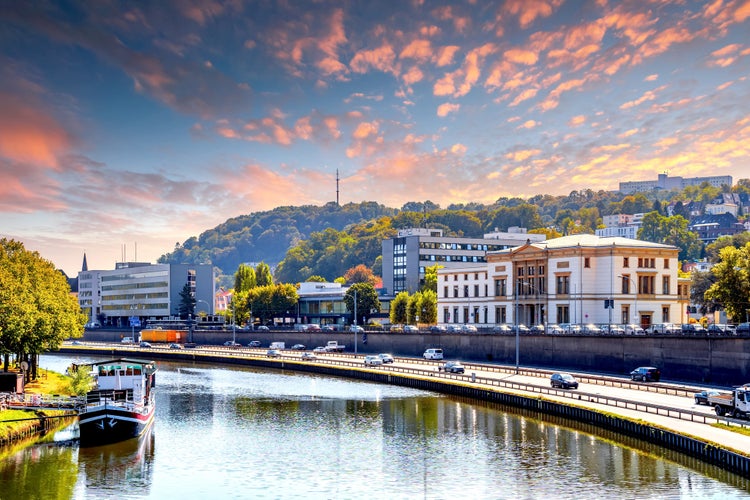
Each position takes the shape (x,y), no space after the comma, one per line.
(243,433)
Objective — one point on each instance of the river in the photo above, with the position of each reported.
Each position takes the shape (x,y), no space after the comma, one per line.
(229,432)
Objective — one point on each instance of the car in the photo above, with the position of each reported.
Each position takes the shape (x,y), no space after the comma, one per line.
(410,329)
(76,342)
(127,340)
(93,325)
(262,328)
(144,344)
(646,374)
(396,329)
(273,353)
(453,328)
(537,329)
(320,348)
(298,347)
(615,330)
(254,343)
(468,329)
(373,360)
(573,329)
(438,329)
(632,329)
(328,328)
(742,329)
(663,329)
(720,329)
(521,329)
(453,367)
(592,329)
(563,381)
(313,327)
(433,354)
(502,329)
(175,346)
(701,398)
(356,329)
(693,329)
(308,356)
(387,358)
(232,343)
(555,329)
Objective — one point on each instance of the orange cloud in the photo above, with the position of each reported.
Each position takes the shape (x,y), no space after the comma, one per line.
(577,121)
(420,50)
(381,58)
(445,55)
(528,11)
(446,108)
(365,129)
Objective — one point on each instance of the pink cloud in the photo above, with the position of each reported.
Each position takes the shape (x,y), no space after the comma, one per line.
(421,50)
(529,11)
(381,58)
(577,120)
(447,108)
(445,55)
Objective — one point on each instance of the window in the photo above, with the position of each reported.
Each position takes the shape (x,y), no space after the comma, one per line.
(626,284)
(455,277)
(665,285)
(563,286)
(455,291)
(466,291)
(587,262)
(563,314)
(646,285)
(500,288)
(445,292)
(531,270)
(625,315)
(476,290)
(626,262)
(665,314)
(500,315)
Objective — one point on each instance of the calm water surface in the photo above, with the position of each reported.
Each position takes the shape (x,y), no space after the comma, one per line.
(240,433)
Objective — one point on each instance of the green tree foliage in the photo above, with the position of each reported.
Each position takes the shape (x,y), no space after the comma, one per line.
(270,301)
(398,314)
(413,308)
(700,283)
(738,240)
(367,300)
(732,286)
(428,314)
(671,231)
(81,380)
(431,278)
(244,278)
(187,302)
(316,279)
(522,215)
(37,310)
(263,276)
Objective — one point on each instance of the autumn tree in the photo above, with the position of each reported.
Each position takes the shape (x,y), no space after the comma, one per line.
(263,276)
(360,274)
(431,278)
(428,313)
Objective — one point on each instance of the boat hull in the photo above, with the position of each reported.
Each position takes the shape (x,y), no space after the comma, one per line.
(110,424)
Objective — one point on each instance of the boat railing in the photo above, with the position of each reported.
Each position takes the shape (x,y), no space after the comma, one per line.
(111,396)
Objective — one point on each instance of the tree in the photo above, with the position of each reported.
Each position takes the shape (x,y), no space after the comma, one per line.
(701,282)
(263,276)
(398,308)
(367,300)
(431,278)
(244,278)
(37,311)
(732,286)
(428,315)
(316,279)
(413,308)
(738,240)
(187,302)
(671,231)
(360,274)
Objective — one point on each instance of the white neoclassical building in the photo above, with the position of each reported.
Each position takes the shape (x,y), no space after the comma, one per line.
(574,279)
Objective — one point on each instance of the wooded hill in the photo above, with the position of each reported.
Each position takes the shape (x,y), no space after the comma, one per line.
(325,241)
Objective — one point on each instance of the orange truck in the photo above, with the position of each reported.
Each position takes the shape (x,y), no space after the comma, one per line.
(161,335)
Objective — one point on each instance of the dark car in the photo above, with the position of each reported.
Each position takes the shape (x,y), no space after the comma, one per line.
(144,344)
(298,347)
(453,367)
(743,329)
(701,398)
(646,374)
(563,381)
(254,343)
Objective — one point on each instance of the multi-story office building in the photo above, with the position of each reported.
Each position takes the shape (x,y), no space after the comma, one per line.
(665,182)
(144,291)
(406,256)
(573,279)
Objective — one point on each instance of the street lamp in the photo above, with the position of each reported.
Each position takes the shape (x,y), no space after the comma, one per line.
(635,300)
(355,321)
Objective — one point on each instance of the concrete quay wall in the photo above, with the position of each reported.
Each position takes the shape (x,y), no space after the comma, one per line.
(722,361)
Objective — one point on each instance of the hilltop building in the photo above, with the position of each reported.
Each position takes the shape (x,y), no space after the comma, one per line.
(665,182)
(574,279)
(141,290)
(406,256)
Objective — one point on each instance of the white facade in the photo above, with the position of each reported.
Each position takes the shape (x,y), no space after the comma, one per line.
(574,279)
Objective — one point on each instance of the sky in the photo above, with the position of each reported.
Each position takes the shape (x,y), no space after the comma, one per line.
(128,127)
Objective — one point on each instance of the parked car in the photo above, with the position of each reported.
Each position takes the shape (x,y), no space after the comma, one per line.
(144,344)
(254,343)
(693,329)
(592,329)
(298,347)
(273,353)
(232,343)
(743,329)
(453,328)
(262,328)
(502,329)
(646,374)
(555,329)
(410,329)
(438,329)
(720,329)
(538,329)
(387,358)
(308,356)
(328,328)
(701,398)
(76,342)
(663,329)
(356,329)
(468,329)
(563,381)
(175,346)
(373,360)
(92,325)
(615,330)
(453,367)
(632,329)
(573,329)
(320,348)
(127,340)
(520,328)
(313,327)
(433,354)
(396,329)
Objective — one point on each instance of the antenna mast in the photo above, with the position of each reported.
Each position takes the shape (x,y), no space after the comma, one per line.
(337,187)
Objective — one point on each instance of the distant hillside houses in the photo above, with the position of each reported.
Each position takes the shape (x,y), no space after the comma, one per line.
(667,183)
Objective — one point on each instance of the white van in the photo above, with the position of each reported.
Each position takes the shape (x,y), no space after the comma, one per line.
(277,345)
(433,354)
(127,340)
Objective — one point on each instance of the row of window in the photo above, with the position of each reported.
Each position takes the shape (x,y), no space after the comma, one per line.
(477,315)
